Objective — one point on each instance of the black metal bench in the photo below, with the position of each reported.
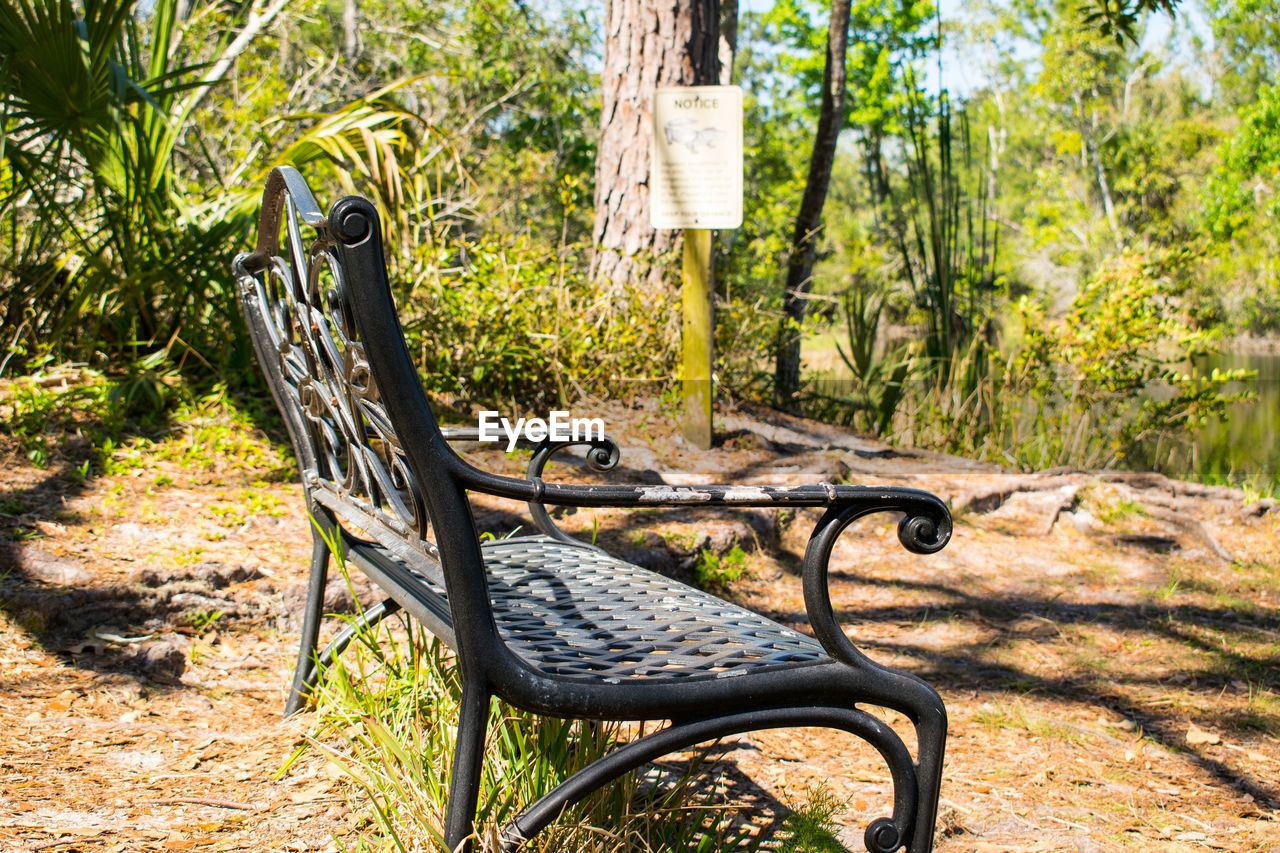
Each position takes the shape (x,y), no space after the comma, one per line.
(549,624)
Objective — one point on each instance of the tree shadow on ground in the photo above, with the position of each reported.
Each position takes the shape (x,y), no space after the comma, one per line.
(969,667)
(92,624)
(57,610)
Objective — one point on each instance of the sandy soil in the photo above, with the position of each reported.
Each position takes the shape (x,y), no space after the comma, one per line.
(1107,644)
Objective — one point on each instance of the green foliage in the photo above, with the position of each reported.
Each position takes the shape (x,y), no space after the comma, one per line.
(883,38)
(880,380)
(92,423)
(1115,371)
(1247,40)
(110,257)
(780,65)
(49,411)
(1244,191)
(948,244)
(715,572)
(39,414)
(927,257)
(473,125)
(203,621)
(515,322)
(123,205)
(1119,19)
(812,826)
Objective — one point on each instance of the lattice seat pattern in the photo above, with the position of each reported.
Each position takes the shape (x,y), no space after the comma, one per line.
(577,612)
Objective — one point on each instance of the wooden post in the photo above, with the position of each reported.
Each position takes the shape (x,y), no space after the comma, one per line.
(697,337)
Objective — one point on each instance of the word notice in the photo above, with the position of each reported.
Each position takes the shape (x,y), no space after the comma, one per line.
(559,427)
(695,178)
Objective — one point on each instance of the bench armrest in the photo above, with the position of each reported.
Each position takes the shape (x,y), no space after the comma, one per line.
(925,528)
(603,455)
(918,533)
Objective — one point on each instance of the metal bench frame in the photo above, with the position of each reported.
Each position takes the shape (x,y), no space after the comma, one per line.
(548,624)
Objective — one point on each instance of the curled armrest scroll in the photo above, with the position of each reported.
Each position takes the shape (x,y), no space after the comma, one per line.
(925,528)
(925,533)
(603,454)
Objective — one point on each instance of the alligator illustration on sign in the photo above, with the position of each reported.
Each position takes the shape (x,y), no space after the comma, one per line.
(681,131)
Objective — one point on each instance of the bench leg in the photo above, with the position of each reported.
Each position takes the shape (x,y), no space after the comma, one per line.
(468,758)
(931,738)
(368,619)
(303,672)
(885,835)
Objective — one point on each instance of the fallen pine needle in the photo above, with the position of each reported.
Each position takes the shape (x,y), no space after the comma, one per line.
(199,801)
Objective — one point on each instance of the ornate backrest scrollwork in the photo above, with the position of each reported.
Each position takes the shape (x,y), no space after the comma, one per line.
(298,309)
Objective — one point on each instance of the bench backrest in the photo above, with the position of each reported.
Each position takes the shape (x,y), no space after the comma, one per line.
(319,309)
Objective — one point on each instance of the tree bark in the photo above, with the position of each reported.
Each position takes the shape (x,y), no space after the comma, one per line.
(804,240)
(350,34)
(728,40)
(648,44)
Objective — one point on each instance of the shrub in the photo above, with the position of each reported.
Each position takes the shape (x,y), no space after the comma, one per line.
(508,321)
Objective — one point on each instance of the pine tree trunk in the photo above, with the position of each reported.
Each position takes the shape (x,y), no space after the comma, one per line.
(648,44)
(728,40)
(350,33)
(804,240)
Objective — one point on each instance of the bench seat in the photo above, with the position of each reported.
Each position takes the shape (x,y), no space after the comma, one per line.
(574,611)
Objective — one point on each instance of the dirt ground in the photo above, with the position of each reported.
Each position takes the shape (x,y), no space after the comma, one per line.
(1106,643)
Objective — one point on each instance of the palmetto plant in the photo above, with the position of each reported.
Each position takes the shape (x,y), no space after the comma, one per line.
(106,257)
(880,380)
(115,244)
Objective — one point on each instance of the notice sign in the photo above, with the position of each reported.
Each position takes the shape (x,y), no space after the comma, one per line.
(695,178)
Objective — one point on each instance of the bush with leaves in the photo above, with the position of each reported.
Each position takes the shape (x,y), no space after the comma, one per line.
(1116,371)
(106,253)
(510,321)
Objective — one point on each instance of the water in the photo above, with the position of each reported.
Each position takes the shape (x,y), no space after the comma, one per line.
(1243,450)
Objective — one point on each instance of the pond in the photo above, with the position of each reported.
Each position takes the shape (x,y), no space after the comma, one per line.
(1244,449)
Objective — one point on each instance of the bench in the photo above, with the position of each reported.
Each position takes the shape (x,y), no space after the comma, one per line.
(549,624)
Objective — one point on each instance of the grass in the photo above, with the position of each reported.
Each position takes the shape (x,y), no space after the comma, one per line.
(811,827)
(386,718)
(387,713)
(1016,716)
(715,572)
(95,421)
(1120,510)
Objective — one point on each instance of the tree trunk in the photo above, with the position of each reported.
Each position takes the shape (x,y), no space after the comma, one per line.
(648,44)
(728,40)
(804,240)
(1104,188)
(350,34)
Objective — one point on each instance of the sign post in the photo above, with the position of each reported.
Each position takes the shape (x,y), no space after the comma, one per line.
(696,185)
(697,392)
